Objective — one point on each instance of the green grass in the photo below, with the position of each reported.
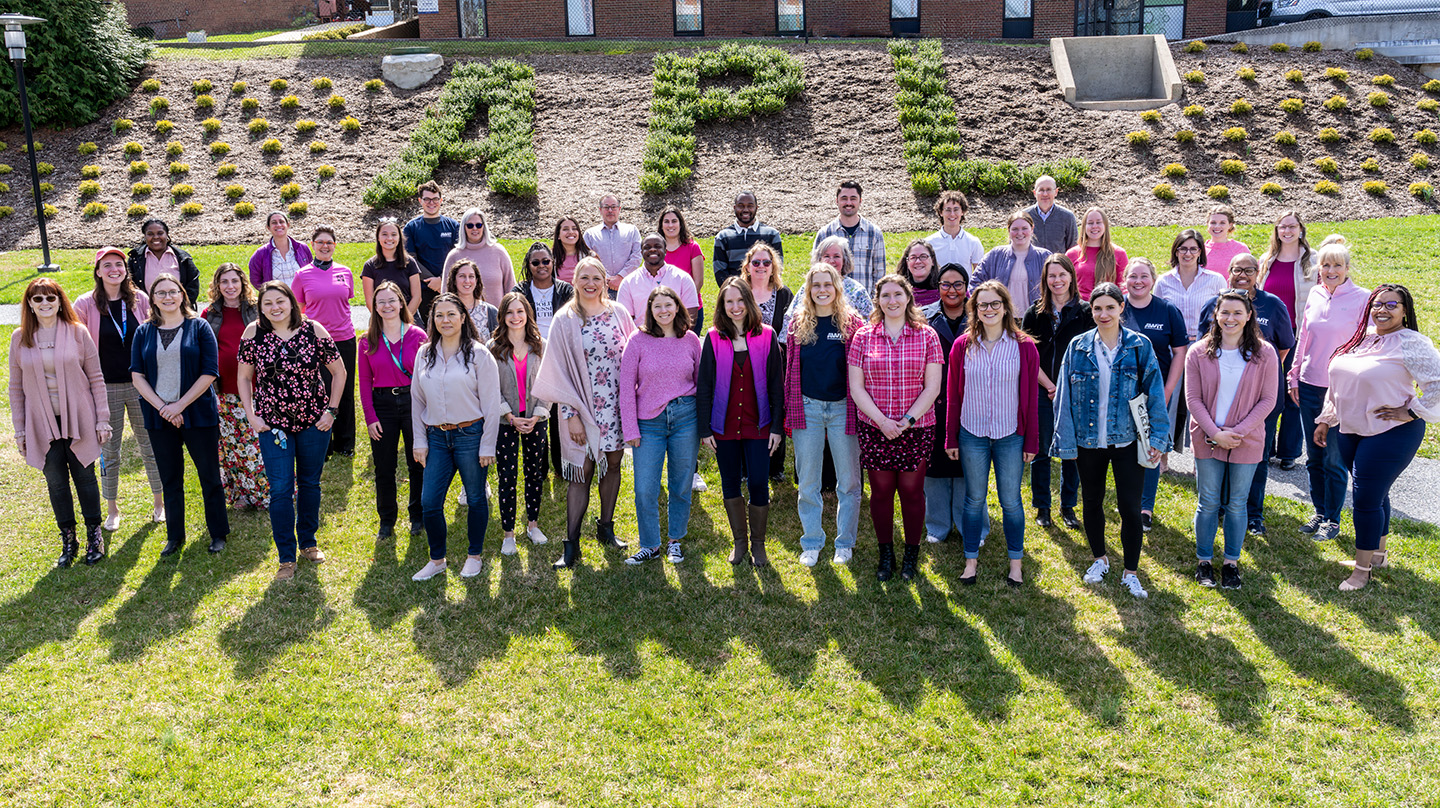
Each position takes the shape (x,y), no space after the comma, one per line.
(246,37)
(196,682)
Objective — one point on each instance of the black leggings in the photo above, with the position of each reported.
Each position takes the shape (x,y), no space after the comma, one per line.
(62,466)
(1129,484)
(748,458)
(911,487)
(393,413)
(507,458)
(577,498)
(342,435)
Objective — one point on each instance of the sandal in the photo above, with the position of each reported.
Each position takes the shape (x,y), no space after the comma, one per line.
(1346,586)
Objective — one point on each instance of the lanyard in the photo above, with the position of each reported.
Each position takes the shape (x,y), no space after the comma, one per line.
(123,326)
(391,352)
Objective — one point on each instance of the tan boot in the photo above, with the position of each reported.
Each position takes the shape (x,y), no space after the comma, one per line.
(313,554)
(286,571)
(739,531)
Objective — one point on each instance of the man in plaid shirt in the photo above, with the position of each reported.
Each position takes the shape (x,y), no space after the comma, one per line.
(867,243)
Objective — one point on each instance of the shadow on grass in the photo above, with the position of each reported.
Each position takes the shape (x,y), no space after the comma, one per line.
(289,613)
(161,607)
(59,602)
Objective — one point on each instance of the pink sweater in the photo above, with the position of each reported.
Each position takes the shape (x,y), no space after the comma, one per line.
(670,368)
(1219,256)
(83,402)
(1382,372)
(1329,321)
(1254,400)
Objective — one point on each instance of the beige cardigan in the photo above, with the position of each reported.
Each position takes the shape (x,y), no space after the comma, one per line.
(83,403)
(564,379)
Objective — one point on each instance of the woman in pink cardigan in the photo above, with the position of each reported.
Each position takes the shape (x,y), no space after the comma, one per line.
(59,410)
(1232,379)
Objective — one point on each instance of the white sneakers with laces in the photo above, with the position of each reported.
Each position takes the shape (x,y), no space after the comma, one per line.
(810,558)
(843,555)
(1130,581)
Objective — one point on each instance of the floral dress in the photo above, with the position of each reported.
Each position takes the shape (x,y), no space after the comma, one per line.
(604,342)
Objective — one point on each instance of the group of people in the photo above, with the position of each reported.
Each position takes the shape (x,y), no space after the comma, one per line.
(927,376)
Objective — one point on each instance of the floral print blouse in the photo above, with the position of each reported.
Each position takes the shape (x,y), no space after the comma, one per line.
(290,393)
(604,343)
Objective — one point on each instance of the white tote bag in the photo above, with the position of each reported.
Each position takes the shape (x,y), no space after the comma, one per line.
(1140,414)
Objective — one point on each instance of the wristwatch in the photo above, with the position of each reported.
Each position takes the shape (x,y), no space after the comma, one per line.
(334,413)
(1413,416)
(909,419)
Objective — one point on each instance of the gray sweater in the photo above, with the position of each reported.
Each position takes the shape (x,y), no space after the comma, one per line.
(1057,233)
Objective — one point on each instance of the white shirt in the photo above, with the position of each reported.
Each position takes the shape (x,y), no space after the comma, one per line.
(544,308)
(1105,362)
(1232,367)
(283,266)
(1190,300)
(962,248)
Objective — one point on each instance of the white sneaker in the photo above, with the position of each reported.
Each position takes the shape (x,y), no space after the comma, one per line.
(698,484)
(460,498)
(430,570)
(473,565)
(507,547)
(674,554)
(536,537)
(1096,573)
(843,554)
(934,539)
(1131,582)
(810,557)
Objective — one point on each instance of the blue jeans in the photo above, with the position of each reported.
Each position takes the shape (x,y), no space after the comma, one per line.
(1040,470)
(1006,454)
(672,433)
(451,451)
(825,425)
(1375,464)
(1289,440)
(1152,476)
(1255,507)
(945,507)
(1221,486)
(1328,476)
(294,515)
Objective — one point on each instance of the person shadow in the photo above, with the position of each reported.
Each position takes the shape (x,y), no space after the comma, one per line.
(289,613)
(59,602)
(162,607)
(386,594)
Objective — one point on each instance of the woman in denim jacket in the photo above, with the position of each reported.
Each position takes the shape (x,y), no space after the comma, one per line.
(1103,370)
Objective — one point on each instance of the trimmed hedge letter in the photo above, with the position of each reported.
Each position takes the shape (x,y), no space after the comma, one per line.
(678,103)
(507,90)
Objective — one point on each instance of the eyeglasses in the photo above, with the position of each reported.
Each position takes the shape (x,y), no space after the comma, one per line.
(429,200)
(991,306)
(952,285)
(323,243)
(609,207)
(1188,250)
(1245,293)
(1388,305)
(917,257)
(761,262)
(43,298)
(1246,271)
(166,293)
(474,225)
(1287,227)
(539,262)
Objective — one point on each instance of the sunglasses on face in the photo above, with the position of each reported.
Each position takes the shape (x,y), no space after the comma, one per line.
(474,225)
(761,262)
(539,262)
(44,298)
(1387,305)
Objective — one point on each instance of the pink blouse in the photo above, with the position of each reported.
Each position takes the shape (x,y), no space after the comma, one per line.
(1382,371)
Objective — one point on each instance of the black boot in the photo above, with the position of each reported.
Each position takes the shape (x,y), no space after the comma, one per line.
(886,570)
(911,562)
(94,544)
(605,534)
(759,524)
(69,548)
(1042,517)
(172,546)
(570,558)
(739,529)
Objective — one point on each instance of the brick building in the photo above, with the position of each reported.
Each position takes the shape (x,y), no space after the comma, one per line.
(172,18)
(977,19)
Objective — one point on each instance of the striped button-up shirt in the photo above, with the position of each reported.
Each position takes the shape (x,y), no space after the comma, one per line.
(1190,301)
(617,247)
(867,246)
(991,406)
(895,368)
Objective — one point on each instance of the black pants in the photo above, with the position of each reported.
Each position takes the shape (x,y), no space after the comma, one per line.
(507,458)
(393,412)
(749,458)
(1129,485)
(554,429)
(203,444)
(61,467)
(342,435)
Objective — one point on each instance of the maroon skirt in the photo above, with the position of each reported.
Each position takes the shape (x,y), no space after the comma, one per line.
(906,453)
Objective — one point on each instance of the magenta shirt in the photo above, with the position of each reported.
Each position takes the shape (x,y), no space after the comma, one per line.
(1280,282)
(519,362)
(379,370)
(324,296)
(670,364)
(1219,256)
(684,257)
(1084,260)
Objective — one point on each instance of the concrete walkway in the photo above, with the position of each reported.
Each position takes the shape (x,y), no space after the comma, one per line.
(299,33)
(1413,496)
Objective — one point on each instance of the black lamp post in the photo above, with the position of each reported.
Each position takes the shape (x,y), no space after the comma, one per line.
(15,43)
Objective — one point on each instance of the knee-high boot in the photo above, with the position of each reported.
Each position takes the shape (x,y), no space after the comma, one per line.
(759,521)
(739,530)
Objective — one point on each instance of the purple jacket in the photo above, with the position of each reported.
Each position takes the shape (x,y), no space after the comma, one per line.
(260,262)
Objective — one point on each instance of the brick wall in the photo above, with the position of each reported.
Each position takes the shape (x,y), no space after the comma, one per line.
(1204,18)
(963,19)
(176,17)
(445,22)
(1054,18)
(849,17)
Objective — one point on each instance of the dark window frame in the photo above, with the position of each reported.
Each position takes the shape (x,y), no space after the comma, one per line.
(797,32)
(906,26)
(675,19)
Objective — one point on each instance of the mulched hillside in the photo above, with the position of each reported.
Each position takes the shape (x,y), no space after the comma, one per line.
(590,129)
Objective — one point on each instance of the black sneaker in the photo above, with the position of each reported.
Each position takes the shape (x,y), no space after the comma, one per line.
(1312,524)
(1229,576)
(1205,573)
(644,554)
(1256,528)
(1146,521)
(1287,464)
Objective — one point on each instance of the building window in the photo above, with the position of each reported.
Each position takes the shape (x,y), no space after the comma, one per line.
(1120,17)
(688,19)
(904,16)
(580,17)
(790,16)
(1165,17)
(1019,22)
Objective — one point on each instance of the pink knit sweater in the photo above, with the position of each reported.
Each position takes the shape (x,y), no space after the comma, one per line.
(670,368)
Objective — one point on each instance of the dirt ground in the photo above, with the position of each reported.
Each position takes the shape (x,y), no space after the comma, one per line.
(590,132)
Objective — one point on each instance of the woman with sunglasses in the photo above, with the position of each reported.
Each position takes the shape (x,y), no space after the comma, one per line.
(546,294)
(174,362)
(387,367)
(59,412)
(1372,412)
(567,247)
(1232,382)
(391,264)
(292,408)
(112,312)
(280,258)
(233,307)
(492,261)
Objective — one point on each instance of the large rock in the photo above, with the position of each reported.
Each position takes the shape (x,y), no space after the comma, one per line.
(411,70)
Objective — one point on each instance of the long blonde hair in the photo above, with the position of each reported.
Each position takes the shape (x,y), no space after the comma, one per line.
(1105,254)
(802,325)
